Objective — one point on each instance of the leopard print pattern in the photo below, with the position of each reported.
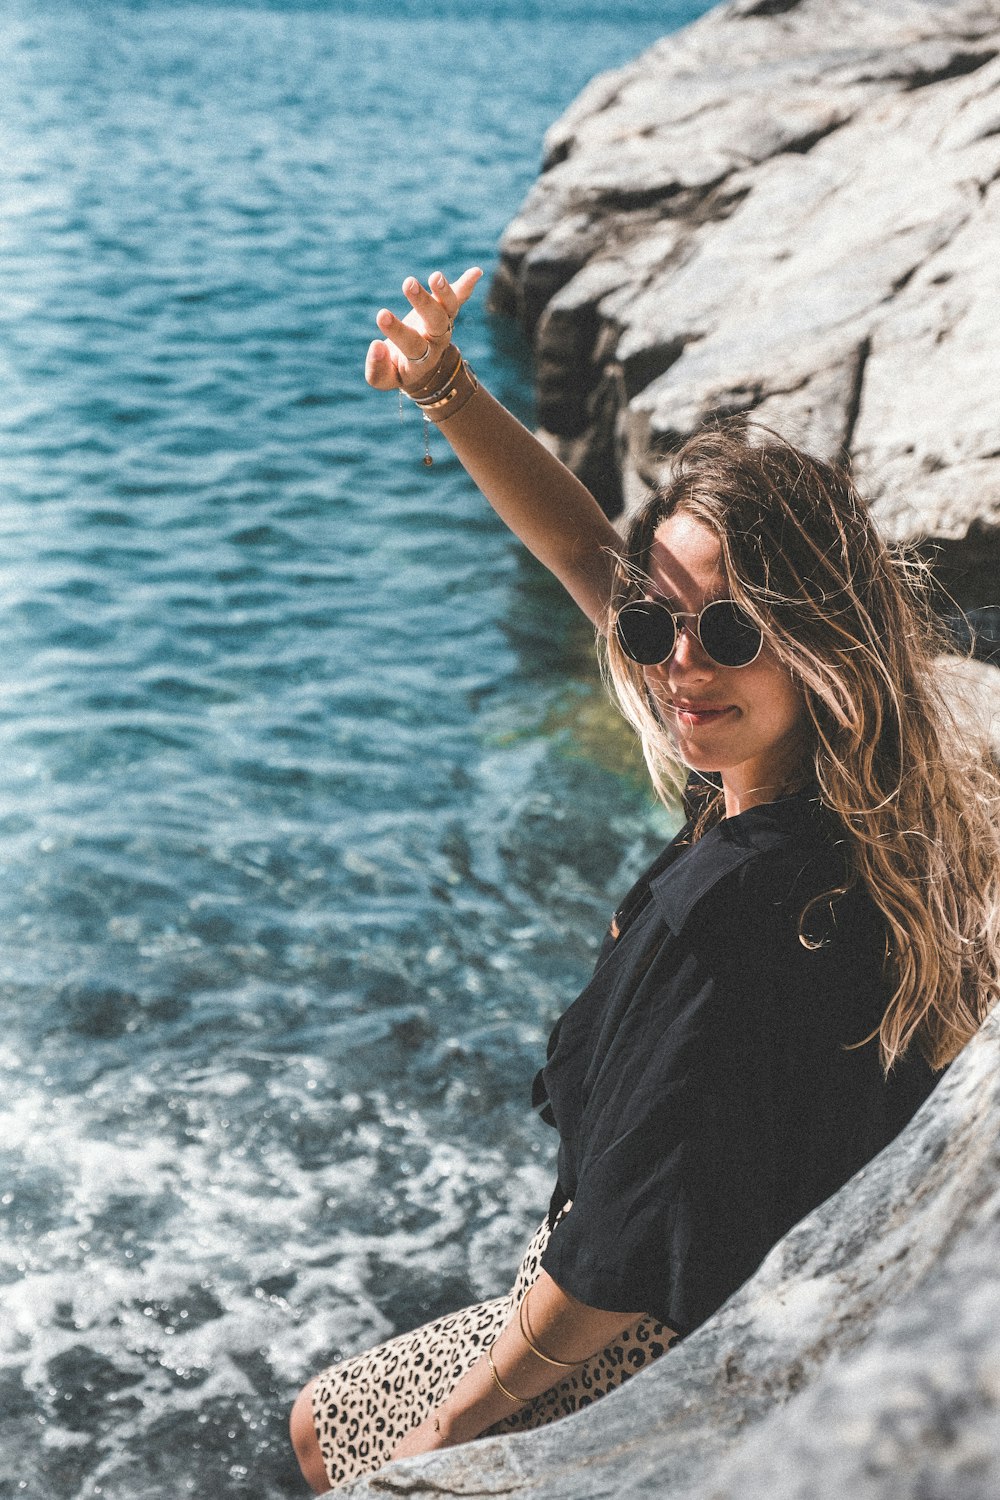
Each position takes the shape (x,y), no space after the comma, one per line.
(364,1406)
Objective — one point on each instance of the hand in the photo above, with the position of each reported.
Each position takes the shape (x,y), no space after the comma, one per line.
(413,346)
(427,1437)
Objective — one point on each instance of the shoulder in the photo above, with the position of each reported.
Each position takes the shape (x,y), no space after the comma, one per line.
(770,860)
(768,907)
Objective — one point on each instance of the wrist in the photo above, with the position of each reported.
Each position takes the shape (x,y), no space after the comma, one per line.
(456,386)
(455,1423)
(445,1421)
(430,380)
(473,1405)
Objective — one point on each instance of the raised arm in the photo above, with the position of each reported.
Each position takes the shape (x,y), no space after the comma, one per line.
(555,516)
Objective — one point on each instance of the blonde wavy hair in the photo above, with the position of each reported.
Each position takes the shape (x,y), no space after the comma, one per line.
(917,798)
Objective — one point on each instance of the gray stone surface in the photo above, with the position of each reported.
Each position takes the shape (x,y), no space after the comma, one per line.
(974,690)
(792,209)
(862,1359)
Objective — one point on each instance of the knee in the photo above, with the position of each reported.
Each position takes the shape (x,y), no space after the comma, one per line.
(305,1442)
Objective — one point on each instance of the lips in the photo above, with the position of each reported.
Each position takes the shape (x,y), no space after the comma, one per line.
(695,715)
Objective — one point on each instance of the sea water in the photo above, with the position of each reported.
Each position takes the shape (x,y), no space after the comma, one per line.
(312,810)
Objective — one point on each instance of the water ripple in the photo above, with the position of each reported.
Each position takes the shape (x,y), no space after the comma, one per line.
(311,814)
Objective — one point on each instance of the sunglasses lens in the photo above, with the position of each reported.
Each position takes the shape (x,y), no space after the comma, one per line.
(729,635)
(646,632)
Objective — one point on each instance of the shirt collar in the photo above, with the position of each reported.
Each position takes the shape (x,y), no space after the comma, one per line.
(678,889)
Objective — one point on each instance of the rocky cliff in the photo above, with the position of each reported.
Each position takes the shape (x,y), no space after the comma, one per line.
(792,209)
(789,209)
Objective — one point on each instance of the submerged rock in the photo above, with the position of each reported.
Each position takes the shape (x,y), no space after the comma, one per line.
(790,209)
(863,1358)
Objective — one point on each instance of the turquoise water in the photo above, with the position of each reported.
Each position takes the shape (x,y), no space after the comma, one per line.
(311,812)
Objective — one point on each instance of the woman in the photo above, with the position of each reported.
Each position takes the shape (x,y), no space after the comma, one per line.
(777,993)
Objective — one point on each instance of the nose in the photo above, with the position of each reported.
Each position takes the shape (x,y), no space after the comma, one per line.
(688,653)
(686,665)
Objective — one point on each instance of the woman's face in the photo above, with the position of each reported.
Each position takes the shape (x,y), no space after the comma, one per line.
(747,723)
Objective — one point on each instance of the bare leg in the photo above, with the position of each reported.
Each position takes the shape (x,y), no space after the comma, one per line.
(305,1442)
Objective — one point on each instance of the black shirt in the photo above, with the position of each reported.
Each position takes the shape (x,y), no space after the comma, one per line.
(701,1084)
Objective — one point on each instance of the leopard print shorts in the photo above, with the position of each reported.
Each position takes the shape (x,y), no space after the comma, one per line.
(364,1406)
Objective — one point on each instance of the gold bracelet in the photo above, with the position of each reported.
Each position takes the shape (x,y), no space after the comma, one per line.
(518,1400)
(446,397)
(561,1364)
(444,403)
(461,399)
(433,396)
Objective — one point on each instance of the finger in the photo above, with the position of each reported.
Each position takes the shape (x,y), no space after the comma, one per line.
(411,342)
(380,369)
(453,295)
(444,294)
(435,317)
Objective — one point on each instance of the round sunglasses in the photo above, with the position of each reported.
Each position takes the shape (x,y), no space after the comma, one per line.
(647,632)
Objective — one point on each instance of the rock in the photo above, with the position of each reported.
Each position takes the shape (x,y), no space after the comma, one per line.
(790,209)
(974,688)
(863,1358)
